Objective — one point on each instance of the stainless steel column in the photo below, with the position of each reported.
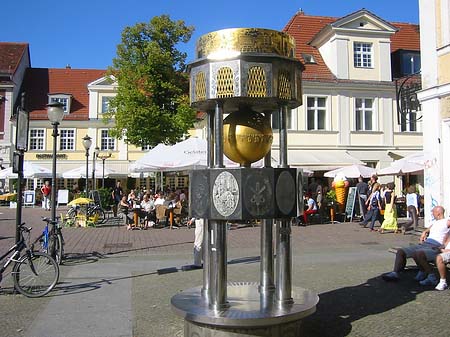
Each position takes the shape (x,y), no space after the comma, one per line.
(218,135)
(266,265)
(206,226)
(284,263)
(266,284)
(283,137)
(283,235)
(218,271)
(218,230)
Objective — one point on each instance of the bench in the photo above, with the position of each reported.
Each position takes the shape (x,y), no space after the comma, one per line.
(315,218)
(433,263)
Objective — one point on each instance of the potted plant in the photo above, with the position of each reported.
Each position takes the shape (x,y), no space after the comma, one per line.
(330,199)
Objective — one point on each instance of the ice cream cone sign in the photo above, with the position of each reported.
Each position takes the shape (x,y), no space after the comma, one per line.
(340,185)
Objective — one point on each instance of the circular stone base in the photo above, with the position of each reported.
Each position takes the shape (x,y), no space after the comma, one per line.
(249,313)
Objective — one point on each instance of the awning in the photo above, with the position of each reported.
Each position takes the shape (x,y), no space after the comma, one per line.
(319,160)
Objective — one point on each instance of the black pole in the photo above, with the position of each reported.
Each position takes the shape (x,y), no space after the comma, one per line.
(19,155)
(21,147)
(94,156)
(103,173)
(87,173)
(55,138)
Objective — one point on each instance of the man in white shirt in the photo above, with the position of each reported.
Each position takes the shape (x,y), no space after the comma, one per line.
(159,200)
(431,239)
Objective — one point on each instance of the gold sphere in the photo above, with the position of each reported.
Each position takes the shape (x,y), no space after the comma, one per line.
(247,136)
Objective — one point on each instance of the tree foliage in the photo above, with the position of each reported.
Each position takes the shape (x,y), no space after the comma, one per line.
(152,103)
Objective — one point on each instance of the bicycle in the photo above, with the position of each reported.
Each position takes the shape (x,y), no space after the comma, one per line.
(34,274)
(57,250)
(92,211)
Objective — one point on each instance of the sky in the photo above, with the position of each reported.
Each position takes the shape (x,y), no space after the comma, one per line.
(85,33)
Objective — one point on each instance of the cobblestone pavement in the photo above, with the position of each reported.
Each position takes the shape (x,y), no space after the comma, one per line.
(119,283)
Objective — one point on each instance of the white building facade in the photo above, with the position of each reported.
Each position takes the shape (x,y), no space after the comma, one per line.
(435,100)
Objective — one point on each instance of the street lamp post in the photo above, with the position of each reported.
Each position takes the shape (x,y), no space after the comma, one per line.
(94,157)
(55,114)
(87,142)
(103,157)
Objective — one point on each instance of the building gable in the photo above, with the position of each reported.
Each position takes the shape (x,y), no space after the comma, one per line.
(329,42)
(40,82)
(363,20)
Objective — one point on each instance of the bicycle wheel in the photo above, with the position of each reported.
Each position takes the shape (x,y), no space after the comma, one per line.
(59,248)
(101,215)
(35,274)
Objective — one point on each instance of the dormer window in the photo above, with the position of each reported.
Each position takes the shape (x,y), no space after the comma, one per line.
(362,54)
(65,99)
(105,104)
(309,59)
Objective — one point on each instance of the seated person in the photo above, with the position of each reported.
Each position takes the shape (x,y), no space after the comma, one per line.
(431,239)
(124,208)
(178,207)
(131,197)
(312,207)
(441,260)
(148,210)
(160,200)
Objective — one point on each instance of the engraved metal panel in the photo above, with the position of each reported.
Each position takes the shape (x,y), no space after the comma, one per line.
(225,82)
(199,194)
(200,86)
(266,67)
(193,77)
(215,67)
(225,194)
(246,40)
(285,192)
(258,193)
(256,82)
(284,85)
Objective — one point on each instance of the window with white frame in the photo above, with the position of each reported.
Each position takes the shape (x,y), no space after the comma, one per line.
(107,142)
(37,137)
(64,99)
(316,112)
(362,54)
(290,119)
(105,103)
(364,114)
(67,139)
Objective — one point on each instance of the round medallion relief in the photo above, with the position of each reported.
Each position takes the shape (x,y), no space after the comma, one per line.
(225,194)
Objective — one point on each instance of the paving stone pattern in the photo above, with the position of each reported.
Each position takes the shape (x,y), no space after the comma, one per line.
(119,283)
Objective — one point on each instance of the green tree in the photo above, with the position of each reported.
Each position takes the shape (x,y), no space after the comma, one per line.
(152,103)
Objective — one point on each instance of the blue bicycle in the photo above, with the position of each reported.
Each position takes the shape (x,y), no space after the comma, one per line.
(51,240)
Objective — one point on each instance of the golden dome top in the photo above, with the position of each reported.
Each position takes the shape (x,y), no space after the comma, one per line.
(232,42)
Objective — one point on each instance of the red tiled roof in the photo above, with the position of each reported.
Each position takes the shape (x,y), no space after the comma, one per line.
(304,27)
(407,37)
(39,82)
(10,55)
